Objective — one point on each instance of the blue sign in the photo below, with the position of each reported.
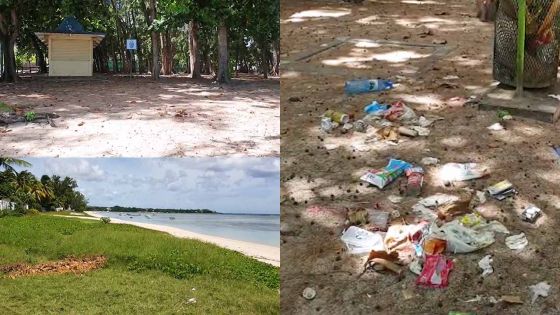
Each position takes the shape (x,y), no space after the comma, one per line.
(131,44)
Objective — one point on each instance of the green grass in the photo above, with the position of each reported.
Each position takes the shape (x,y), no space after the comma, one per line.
(4,108)
(148,272)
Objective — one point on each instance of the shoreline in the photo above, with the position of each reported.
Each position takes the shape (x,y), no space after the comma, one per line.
(265,253)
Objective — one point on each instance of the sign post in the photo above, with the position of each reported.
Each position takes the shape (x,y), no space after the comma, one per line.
(131,46)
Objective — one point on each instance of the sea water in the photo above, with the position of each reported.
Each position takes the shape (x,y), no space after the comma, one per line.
(260,229)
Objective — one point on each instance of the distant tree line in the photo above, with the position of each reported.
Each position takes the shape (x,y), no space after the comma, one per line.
(135,209)
(45,194)
(217,37)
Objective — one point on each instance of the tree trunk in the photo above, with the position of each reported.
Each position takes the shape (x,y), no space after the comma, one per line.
(41,62)
(264,60)
(139,53)
(276,58)
(8,36)
(155,42)
(223,56)
(167,53)
(194,57)
(10,71)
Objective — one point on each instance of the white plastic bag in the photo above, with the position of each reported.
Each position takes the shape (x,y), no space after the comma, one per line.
(360,241)
(461,239)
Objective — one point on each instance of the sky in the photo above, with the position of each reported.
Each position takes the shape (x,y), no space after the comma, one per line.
(231,185)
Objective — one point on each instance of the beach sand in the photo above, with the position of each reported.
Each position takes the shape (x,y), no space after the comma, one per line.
(264,253)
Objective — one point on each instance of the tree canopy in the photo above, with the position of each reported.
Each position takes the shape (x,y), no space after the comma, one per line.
(46,193)
(215,37)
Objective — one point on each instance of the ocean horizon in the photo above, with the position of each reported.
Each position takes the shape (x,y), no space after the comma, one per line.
(254,228)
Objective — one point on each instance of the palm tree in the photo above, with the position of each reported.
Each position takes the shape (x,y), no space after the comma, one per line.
(7,163)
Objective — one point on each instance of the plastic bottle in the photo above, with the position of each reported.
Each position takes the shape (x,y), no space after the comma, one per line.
(366,86)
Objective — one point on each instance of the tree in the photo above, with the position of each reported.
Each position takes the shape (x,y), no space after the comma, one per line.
(9,31)
(155,40)
(6,163)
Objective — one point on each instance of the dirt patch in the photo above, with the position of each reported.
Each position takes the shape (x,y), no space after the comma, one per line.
(68,265)
(320,175)
(137,117)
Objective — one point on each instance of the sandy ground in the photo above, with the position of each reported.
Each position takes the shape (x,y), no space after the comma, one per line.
(320,170)
(264,253)
(119,116)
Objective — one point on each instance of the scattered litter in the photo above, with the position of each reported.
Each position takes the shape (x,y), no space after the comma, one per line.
(477,298)
(347,127)
(461,239)
(451,172)
(193,289)
(395,199)
(438,200)
(450,77)
(360,126)
(496,127)
(421,131)
(388,133)
(327,125)
(399,112)
(384,176)
(424,213)
(471,219)
(554,96)
(518,241)
(451,210)
(502,190)
(376,109)
(409,132)
(378,220)
(360,241)
(309,293)
(539,289)
(356,216)
(434,246)
(395,214)
(384,261)
(435,273)
(415,267)
(531,214)
(492,226)
(366,86)
(512,299)
(479,198)
(337,117)
(485,265)
(439,41)
(191,301)
(429,161)
(415,179)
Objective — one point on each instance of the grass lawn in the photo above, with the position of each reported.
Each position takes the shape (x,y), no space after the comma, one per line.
(148,272)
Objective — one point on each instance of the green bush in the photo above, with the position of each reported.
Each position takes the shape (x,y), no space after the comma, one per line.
(106,220)
(30,116)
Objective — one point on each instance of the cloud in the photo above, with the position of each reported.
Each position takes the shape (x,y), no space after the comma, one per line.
(80,169)
(223,184)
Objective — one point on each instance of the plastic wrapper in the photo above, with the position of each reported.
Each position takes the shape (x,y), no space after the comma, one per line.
(435,272)
(389,173)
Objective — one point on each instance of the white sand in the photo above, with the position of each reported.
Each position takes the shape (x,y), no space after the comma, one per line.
(264,253)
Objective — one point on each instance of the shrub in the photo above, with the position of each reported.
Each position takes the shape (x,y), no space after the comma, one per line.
(106,220)
(30,116)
